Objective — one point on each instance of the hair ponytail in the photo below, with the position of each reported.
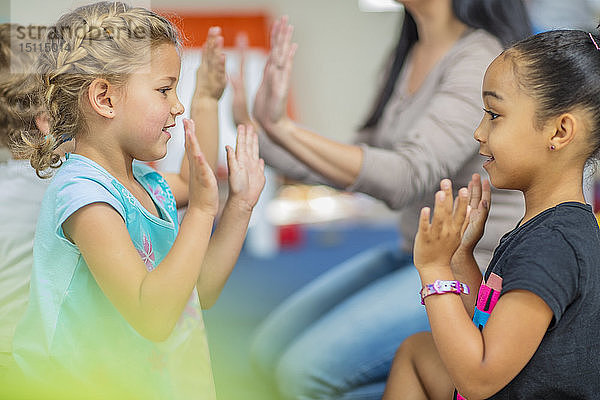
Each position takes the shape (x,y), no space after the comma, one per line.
(561,71)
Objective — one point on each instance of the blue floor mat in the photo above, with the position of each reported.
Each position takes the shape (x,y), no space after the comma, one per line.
(258,285)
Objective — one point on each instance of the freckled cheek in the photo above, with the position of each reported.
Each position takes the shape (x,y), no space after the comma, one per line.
(154,120)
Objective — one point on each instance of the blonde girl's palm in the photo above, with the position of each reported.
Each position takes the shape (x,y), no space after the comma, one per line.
(246,169)
(256,165)
(203,194)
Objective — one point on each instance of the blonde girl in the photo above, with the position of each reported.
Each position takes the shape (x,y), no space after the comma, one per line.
(113,308)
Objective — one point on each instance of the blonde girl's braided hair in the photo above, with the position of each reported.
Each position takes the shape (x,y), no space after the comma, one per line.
(108,40)
(19,103)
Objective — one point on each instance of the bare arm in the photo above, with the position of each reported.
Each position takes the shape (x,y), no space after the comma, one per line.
(465,269)
(246,181)
(337,162)
(479,363)
(150,301)
(223,252)
(239,106)
(211,80)
(210,84)
(482,363)
(464,266)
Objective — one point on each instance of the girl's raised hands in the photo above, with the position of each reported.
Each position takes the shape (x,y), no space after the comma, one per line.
(211,78)
(271,98)
(437,241)
(203,193)
(246,169)
(480,197)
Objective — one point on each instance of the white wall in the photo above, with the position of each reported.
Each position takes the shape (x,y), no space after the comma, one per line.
(341,51)
(340,54)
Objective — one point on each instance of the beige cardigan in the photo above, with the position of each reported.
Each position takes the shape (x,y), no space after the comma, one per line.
(423,138)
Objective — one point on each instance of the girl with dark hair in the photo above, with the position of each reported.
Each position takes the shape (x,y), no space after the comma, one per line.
(336,337)
(531,331)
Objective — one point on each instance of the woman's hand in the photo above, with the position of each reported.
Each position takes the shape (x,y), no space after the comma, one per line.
(246,169)
(437,241)
(271,98)
(203,194)
(211,78)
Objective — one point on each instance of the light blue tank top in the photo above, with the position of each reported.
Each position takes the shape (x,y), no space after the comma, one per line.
(72,329)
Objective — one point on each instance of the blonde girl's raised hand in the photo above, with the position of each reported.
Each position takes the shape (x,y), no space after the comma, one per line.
(203,195)
(211,80)
(437,241)
(246,180)
(211,77)
(270,103)
(246,169)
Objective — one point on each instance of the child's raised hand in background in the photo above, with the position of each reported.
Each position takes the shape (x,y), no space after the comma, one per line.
(246,169)
(211,78)
(203,193)
(270,104)
(239,106)
(437,241)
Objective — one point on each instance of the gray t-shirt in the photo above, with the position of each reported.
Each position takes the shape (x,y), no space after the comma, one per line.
(555,255)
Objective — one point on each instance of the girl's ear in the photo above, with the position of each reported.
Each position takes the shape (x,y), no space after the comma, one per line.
(565,130)
(99,95)
(43,123)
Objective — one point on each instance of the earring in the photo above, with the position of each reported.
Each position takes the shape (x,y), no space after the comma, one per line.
(552,147)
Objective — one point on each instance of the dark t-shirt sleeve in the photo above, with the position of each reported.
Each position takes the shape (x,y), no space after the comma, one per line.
(546,265)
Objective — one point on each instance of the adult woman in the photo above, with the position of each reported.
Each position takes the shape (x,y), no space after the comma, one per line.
(336,337)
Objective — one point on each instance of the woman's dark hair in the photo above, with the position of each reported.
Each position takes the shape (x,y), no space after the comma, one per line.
(505,19)
(560,70)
